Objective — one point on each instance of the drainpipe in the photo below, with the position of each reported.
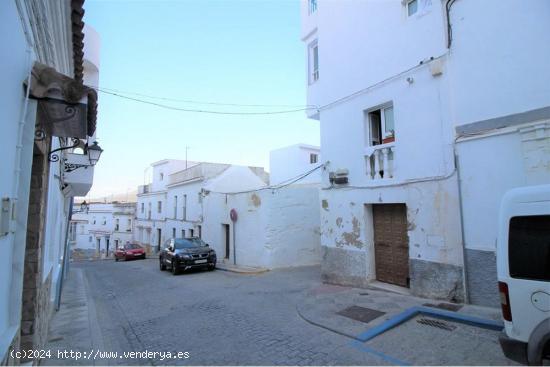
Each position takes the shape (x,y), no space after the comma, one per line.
(461,210)
(65,264)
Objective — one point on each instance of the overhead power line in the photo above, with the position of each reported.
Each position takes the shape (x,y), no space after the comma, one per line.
(279,186)
(168,107)
(189,101)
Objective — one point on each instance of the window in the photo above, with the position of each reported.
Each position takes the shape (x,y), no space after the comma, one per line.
(93,222)
(129,229)
(313,158)
(142,208)
(117,225)
(161,176)
(159,206)
(183,233)
(529,247)
(81,229)
(199,228)
(313,62)
(104,221)
(312,6)
(381,126)
(191,234)
(149,211)
(90,239)
(184,207)
(199,197)
(175,207)
(412,7)
(173,233)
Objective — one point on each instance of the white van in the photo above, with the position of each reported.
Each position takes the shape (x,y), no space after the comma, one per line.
(523,266)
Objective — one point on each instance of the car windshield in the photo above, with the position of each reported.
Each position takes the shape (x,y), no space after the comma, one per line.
(181,243)
(132,246)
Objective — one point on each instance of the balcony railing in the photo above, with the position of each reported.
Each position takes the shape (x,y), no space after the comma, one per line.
(379,161)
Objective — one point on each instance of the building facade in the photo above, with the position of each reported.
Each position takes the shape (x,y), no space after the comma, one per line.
(47,141)
(391,196)
(99,231)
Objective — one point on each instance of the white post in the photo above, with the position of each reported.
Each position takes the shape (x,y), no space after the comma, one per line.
(369,167)
(377,165)
(385,167)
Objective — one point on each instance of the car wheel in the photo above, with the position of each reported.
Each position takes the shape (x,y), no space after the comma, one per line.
(162,265)
(174,268)
(116,259)
(211,267)
(143,257)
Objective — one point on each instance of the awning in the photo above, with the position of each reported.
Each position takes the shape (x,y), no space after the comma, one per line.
(66,107)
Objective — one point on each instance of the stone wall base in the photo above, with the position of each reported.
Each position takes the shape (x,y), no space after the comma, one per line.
(481,275)
(428,279)
(436,280)
(344,267)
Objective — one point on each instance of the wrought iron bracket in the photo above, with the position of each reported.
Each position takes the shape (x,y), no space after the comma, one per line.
(54,157)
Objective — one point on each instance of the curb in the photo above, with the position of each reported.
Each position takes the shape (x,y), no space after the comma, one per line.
(324,326)
(250,271)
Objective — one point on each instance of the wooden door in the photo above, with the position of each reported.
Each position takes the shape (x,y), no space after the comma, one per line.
(391,243)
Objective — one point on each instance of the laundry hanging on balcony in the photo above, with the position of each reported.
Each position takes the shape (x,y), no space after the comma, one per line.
(66,107)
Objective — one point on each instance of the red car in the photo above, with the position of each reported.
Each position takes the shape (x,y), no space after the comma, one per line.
(130,251)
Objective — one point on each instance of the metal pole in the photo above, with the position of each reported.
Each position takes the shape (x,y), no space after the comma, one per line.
(234,247)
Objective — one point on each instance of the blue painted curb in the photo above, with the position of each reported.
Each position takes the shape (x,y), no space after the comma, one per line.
(413,311)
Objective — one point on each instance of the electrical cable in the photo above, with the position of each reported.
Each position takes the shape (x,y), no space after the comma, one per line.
(274,187)
(101,89)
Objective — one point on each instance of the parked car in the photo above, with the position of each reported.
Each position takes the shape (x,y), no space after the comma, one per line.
(523,267)
(186,253)
(130,251)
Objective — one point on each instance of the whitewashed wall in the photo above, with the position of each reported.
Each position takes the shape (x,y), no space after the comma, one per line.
(292,161)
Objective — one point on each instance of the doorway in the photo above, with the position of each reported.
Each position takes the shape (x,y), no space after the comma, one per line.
(227,240)
(391,243)
(159,241)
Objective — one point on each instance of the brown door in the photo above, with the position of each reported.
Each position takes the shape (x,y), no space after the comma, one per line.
(391,243)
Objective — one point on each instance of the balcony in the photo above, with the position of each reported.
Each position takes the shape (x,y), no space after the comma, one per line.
(379,161)
(78,175)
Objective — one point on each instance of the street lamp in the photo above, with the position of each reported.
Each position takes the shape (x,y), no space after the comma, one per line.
(94,152)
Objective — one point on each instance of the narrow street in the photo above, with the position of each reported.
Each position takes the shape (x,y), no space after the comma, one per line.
(222,318)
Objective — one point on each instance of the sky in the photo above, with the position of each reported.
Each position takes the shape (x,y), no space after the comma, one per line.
(239,52)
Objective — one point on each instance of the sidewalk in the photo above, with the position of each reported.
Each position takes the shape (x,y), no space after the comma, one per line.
(325,302)
(75,323)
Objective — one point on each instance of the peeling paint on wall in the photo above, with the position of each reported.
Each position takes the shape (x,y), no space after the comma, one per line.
(324,204)
(351,238)
(339,221)
(255,200)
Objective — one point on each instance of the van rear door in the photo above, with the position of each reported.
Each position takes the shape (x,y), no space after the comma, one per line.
(523,258)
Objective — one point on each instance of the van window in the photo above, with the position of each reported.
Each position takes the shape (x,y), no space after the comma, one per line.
(529,247)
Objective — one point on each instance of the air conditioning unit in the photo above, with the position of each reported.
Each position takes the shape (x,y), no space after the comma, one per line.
(339,177)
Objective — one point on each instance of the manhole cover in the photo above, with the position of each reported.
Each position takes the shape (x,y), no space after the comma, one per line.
(444,306)
(436,323)
(359,313)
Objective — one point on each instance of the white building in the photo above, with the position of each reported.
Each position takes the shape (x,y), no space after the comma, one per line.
(43,166)
(151,203)
(414,71)
(276,226)
(289,162)
(101,230)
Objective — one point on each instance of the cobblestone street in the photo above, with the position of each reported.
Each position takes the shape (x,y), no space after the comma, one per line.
(220,318)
